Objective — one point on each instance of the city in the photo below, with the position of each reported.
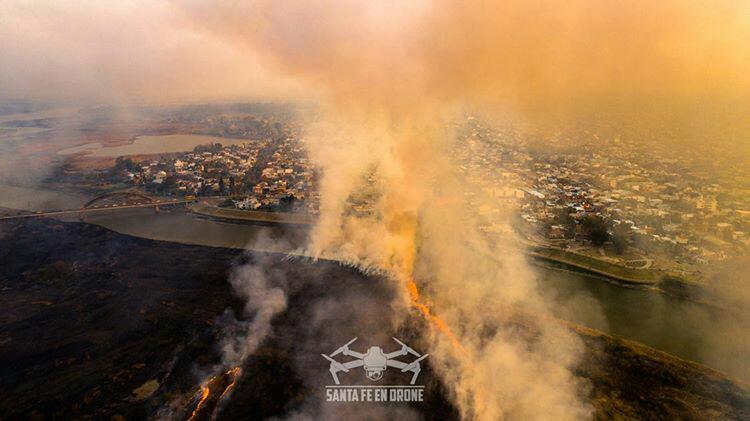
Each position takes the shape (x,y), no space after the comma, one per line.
(610,199)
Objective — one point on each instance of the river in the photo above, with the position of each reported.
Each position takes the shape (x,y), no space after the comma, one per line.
(680,327)
(151,145)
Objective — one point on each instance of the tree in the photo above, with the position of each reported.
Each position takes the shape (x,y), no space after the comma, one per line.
(208,147)
(567,221)
(286,203)
(169,183)
(621,236)
(595,229)
(126,164)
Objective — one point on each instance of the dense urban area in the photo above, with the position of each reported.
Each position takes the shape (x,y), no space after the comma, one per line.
(615,199)
(618,199)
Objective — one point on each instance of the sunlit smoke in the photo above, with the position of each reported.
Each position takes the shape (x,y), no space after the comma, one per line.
(392,76)
(262,302)
(263,299)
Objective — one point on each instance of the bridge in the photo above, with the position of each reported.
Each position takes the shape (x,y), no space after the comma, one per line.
(121,195)
(137,199)
(95,205)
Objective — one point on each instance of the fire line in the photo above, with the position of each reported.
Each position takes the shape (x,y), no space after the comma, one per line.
(429,316)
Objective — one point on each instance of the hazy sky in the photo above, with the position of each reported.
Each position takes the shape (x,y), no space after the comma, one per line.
(509,51)
(122,52)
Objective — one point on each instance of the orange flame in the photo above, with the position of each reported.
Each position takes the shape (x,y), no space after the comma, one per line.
(234,373)
(436,321)
(206,392)
(442,326)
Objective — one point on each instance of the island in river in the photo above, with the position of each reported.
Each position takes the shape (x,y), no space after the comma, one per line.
(98,325)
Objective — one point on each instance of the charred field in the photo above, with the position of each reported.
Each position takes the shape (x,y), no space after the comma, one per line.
(99,325)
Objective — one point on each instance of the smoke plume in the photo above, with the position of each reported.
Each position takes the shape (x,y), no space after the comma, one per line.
(392,76)
(262,302)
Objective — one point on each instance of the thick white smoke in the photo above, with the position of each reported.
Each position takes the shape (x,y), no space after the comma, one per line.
(391,76)
(263,301)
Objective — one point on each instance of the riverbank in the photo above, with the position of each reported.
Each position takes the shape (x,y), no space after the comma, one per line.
(663,282)
(640,277)
(204,209)
(622,274)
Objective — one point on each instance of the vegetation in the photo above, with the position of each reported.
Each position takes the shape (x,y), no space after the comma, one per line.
(209,147)
(595,229)
(124,164)
(621,237)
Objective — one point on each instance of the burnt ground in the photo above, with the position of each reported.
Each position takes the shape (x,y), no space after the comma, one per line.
(89,316)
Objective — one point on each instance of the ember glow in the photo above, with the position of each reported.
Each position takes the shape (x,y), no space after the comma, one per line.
(233,374)
(205,392)
(214,403)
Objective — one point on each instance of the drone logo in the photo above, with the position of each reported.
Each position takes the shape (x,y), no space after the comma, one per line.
(374,361)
